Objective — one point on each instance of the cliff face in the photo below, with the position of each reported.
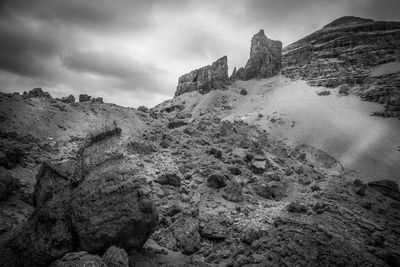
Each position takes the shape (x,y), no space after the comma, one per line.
(264,61)
(346,52)
(204,79)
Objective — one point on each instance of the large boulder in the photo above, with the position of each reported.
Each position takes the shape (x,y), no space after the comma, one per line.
(204,79)
(264,61)
(112,209)
(48,234)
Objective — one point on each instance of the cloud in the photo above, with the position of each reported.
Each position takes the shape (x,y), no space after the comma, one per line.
(132,52)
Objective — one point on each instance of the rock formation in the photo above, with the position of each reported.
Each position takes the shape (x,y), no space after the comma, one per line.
(264,61)
(68,99)
(37,92)
(345,52)
(84,98)
(204,79)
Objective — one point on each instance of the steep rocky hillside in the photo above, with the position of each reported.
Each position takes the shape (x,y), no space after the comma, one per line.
(359,55)
(178,188)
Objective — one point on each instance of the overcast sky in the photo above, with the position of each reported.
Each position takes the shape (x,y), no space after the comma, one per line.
(132,52)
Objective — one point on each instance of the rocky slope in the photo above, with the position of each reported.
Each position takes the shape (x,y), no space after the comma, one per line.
(353,53)
(199,180)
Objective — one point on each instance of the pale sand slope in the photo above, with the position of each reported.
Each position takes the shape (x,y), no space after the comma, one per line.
(341,126)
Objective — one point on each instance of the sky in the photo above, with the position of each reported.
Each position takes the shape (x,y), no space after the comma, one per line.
(131,52)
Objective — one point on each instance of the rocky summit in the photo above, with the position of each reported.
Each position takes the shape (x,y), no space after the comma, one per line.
(264,61)
(354,53)
(204,79)
(270,171)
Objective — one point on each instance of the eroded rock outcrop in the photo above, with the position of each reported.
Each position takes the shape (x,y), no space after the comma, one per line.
(205,79)
(346,52)
(264,61)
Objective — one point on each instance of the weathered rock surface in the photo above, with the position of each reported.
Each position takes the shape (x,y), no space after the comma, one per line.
(345,52)
(116,257)
(205,79)
(37,92)
(68,99)
(84,98)
(111,209)
(8,184)
(387,187)
(79,259)
(264,61)
(48,234)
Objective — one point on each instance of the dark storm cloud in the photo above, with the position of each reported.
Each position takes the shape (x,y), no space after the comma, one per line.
(141,47)
(118,66)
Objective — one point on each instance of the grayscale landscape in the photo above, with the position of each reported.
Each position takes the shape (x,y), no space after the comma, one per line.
(289,158)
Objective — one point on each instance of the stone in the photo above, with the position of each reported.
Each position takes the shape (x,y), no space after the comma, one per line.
(110,208)
(323,92)
(182,234)
(143,109)
(98,100)
(205,79)
(169,179)
(210,227)
(259,166)
(296,207)
(344,90)
(264,61)
(48,233)
(79,259)
(68,99)
(251,234)
(8,184)
(388,188)
(37,92)
(215,152)
(233,192)
(176,123)
(84,98)
(217,180)
(116,257)
(270,190)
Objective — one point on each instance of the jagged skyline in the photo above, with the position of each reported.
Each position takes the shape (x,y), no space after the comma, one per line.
(132,53)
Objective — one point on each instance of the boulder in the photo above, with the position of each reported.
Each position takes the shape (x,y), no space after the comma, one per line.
(112,209)
(79,259)
(204,79)
(169,179)
(116,257)
(48,233)
(217,180)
